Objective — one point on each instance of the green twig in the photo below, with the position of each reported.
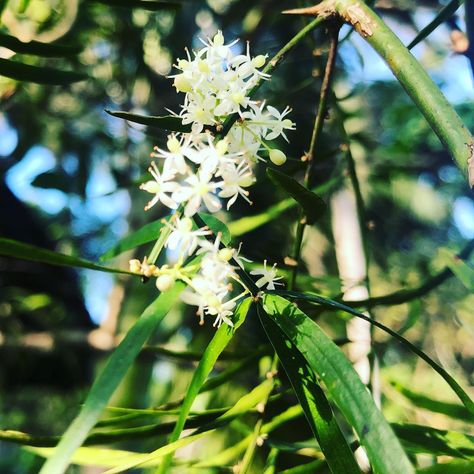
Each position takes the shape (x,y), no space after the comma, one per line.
(318,126)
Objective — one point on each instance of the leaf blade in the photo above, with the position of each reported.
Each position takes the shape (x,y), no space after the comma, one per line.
(343,383)
(37,74)
(20,250)
(313,206)
(317,410)
(108,380)
(166,122)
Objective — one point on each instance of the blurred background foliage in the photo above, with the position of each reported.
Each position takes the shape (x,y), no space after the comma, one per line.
(68,182)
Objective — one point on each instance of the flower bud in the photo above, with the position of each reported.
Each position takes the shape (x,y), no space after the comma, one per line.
(259,61)
(277,157)
(182,83)
(246,181)
(222,147)
(225,254)
(185,224)
(173,144)
(164,282)
(218,39)
(135,266)
(149,270)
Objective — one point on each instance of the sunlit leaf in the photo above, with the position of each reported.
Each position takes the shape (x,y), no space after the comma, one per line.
(216,226)
(462,270)
(420,400)
(145,234)
(427,440)
(37,74)
(460,392)
(218,343)
(314,207)
(13,248)
(243,405)
(343,384)
(313,400)
(166,122)
(108,380)
(151,5)
(450,467)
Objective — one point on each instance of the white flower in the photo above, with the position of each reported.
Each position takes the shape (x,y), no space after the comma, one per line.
(199,189)
(236,178)
(174,158)
(269,276)
(183,236)
(161,187)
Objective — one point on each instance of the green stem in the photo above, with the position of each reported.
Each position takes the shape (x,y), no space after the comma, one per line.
(272,64)
(317,129)
(440,115)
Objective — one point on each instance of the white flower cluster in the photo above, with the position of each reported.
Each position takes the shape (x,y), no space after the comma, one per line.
(210,280)
(199,170)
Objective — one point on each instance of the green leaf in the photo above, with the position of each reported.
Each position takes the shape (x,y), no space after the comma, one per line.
(343,384)
(463,271)
(13,248)
(308,468)
(145,234)
(244,404)
(216,226)
(463,396)
(246,224)
(151,5)
(218,343)
(108,380)
(37,74)
(444,14)
(451,467)
(413,316)
(47,50)
(228,455)
(313,206)
(420,400)
(427,440)
(313,400)
(166,122)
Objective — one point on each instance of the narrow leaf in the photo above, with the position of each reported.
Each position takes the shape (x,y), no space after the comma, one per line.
(247,224)
(151,5)
(420,400)
(217,226)
(145,234)
(463,271)
(166,122)
(314,207)
(444,14)
(36,48)
(244,404)
(13,248)
(313,400)
(463,396)
(427,440)
(108,380)
(451,467)
(343,384)
(218,343)
(37,74)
